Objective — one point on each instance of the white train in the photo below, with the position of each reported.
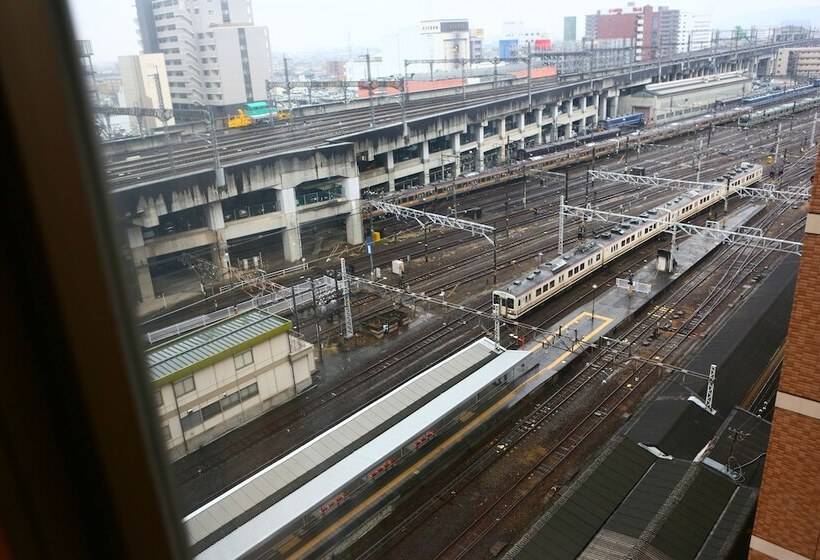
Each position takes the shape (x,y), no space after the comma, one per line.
(524,294)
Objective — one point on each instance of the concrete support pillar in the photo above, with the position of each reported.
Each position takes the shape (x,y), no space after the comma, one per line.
(352,193)
(425,161)
(522,121)
(502,135)
(139,258)
(291,236)
(554,123)
(455,142)
(613,105)
(569,115)
(582,126)
(391,171)
(216,222)
(595,100)
(479,152)
(539,120)
(601,103)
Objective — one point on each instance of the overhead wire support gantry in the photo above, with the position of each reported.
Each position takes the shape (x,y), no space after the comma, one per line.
(747,236)
(426,219)
(768,191)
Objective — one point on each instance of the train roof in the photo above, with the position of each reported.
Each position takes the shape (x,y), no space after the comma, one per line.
(581,252)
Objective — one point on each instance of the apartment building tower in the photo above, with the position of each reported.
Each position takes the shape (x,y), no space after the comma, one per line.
(653,33)
(214,54)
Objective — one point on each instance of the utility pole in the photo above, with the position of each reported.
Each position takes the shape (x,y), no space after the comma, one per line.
(813,129)
(561,226)
(777,142)
(529,74)
(370,90)
(348,314)
(316,320)
(700,156)
(464,78)
(287,83)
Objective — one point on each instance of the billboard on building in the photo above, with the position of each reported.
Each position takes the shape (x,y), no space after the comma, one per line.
(508,48)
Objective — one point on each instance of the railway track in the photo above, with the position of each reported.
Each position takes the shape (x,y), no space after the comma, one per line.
(220,456)
(741,262)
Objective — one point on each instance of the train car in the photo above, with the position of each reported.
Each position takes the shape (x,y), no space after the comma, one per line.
(633,120)
(784,109)
(524,294)
(777,96)
(553,147)
(257,112)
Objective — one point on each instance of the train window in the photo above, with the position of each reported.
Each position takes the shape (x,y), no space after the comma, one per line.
(598,257)
(552,284)
(570,273)
(581,267)
(510,303)
(538,292)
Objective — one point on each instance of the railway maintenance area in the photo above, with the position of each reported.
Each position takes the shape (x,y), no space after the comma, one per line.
(462,405)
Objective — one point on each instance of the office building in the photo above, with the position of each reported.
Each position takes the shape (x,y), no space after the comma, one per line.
(476,43)
(695,32)
(570,26)
(654,33)
(800,64)
(447,39)
(222,375)
(145,84)
(214,55)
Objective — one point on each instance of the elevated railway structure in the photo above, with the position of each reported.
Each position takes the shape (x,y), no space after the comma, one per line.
(311,171)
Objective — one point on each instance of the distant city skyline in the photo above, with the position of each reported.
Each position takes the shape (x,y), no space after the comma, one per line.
(367,24)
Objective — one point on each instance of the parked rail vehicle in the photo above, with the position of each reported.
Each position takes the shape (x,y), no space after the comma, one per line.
(524,294)
(468,182)
(778,111)
(633,120)
(777,96)
(562,145)
(258,112)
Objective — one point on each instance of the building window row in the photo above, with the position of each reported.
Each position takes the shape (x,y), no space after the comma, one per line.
(184,386)
(243,359)
(196,417)
(166,3)
(217,96)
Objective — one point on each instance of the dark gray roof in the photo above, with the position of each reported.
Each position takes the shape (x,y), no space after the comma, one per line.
(673,424)
(574,521)
(690,523)
(734,519)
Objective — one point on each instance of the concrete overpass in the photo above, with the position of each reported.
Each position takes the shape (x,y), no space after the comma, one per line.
(283,178)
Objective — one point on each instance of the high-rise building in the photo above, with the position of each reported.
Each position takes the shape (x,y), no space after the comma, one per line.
(447,39)
(476,43)
(798,63)
(654,33)
(695,32)
(145,84)
(570,26)
(214,54)
(519,37)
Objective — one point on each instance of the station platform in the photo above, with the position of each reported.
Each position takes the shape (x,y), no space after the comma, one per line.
(292,491)
(612,306)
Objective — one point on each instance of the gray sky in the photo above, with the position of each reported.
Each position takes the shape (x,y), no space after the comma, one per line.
(297,27)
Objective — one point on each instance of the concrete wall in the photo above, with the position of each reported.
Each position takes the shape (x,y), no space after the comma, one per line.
(281,368)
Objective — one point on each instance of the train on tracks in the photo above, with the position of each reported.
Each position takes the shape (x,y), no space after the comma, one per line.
(416,196)
(256,113)
(782,95)
(778,111)
(345,475)
(524,294)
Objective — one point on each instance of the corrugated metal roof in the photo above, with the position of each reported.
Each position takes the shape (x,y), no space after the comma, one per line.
(571,524)
(194,350)
(692,520)
(331,446)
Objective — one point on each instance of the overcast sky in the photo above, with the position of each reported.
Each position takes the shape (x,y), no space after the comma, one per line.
(298,27)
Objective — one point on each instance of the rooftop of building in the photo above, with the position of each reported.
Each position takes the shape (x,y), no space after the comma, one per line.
(193,351)
(692,84)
